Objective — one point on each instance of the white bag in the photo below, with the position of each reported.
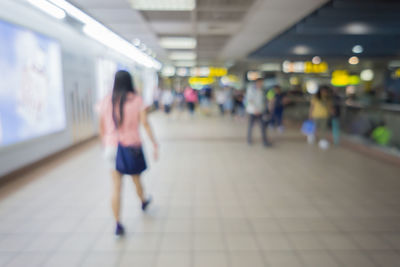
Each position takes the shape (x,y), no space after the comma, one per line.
(323,144)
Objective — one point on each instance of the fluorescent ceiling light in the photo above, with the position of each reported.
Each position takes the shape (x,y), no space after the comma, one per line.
(136,42)
(168,71)
(182,56)
(178,42)
(301,50)
(316,60)
(49,8)
(185,63)
(357,28)
(102,34)
(74,11)
(357,49)
(354,60)
(143,47)
(114,41)
(183,72)
(367,75)
(270,67)
(161,5)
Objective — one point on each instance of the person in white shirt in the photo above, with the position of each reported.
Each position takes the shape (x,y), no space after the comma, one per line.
(255,107)
(167,99)
(221,98)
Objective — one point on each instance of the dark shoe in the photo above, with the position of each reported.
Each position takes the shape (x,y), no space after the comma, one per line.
(145,204)
(119,231)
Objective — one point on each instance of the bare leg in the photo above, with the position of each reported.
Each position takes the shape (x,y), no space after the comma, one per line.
(116,194)
(139,187)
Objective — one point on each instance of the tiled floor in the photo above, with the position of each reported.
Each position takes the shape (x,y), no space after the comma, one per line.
(217,203)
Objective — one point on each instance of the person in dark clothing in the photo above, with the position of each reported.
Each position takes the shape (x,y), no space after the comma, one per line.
(277,107)
(335,117)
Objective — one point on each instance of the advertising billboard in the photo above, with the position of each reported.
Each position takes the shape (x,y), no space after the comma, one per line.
(31,90)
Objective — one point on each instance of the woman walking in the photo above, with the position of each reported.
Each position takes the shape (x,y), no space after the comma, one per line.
(121,114)
(320,110)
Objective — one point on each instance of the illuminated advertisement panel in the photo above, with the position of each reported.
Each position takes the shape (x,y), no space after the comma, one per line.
(31,91)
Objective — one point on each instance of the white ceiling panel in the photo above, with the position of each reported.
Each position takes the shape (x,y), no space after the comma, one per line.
(217,28)
(244,24)
(118,15)
(111,4)
(172,28)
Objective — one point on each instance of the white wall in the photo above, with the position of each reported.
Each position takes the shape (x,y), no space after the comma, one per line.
(79,57)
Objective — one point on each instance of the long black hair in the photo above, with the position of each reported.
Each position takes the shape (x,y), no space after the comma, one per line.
(123,85)
(322,88)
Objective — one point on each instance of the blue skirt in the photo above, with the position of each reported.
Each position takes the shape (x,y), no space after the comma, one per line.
(130,160)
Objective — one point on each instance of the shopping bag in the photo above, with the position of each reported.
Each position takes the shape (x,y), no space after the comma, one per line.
(308,127)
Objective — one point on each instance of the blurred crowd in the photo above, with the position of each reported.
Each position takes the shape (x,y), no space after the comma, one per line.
(265,107)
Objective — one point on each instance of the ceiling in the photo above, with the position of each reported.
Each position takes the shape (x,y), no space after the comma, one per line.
(226,30)
(334,29)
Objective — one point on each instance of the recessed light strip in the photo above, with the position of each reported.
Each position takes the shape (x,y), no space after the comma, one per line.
(102,34)
(163,5)
(178,42)
(49,8)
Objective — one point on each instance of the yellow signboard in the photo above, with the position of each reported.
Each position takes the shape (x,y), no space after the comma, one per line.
(304,67)
(218,72)
(342,78)
(310,67)
(397,73)
(208,72)
(201,80)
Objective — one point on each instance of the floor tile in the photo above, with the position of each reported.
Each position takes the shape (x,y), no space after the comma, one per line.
(28,259)
(241,242)
(101,259)
(318,259)
(64,259)
(246,258)
(274,241)
(174,259)
(143,242)
(337,241)
(353,259)
(210,259)
(142,259)
(282,259)
(385,258)
(176,242)
(209,241)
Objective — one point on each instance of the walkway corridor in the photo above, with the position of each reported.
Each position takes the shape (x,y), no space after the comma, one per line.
(217,203)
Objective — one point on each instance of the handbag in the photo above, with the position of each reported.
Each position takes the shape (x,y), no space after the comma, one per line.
(130,160)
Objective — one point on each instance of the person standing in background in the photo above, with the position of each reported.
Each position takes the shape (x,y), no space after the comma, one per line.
(191,99)
(228,105)
(276,107)
(180,100)
(156,98)
(335,118)
(220,98)
(255,106)
(320,111)
(207,99)
(167,99)
(238,103)
(120,116)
